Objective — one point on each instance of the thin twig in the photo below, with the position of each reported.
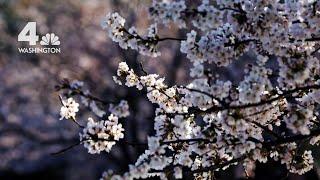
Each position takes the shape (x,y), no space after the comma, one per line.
(142,68)
(66,149)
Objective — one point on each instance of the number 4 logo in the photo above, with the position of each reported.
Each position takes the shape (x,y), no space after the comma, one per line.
(29,34)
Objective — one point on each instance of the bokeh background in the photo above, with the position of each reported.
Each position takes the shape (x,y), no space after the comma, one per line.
(29,106)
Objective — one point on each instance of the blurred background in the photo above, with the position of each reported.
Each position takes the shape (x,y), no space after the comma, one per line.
(29,106)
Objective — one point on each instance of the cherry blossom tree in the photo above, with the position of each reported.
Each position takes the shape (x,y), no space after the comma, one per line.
(211,124)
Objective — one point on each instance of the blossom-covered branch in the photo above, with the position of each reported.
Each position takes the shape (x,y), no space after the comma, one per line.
(213,122)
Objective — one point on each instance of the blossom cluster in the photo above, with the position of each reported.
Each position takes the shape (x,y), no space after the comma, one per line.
(100,136)
(114,24)
(306,163)
(255,85)
(158,91)
(165,11)
(297,71)
(205,15)
(231,28)
(120,110)
(219,46)
(69,109)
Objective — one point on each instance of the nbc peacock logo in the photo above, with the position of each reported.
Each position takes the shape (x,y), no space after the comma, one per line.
(49,41)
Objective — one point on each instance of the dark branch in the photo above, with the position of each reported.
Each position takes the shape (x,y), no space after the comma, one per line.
(81,93)
(285,94)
